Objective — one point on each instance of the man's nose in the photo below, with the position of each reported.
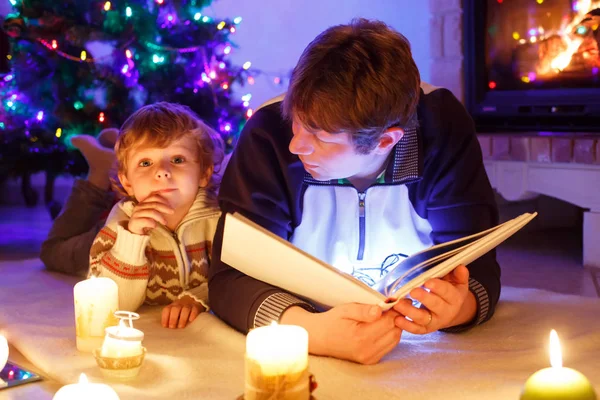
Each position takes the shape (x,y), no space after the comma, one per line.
(301,145)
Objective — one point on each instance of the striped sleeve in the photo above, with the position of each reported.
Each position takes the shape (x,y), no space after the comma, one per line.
(275,305)
(483,308)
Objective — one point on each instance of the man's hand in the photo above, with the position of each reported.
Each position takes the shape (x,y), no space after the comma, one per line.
(180,312)
(148,213)
(447,303)
(355,332)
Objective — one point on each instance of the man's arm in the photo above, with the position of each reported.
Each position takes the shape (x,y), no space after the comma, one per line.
(259,184)
(460,199)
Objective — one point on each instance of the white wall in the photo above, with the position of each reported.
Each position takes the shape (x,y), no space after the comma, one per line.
(273,33)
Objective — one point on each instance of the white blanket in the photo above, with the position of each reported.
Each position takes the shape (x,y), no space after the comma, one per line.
(206,359)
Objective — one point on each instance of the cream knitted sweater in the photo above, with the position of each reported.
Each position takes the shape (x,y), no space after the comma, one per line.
(162,266)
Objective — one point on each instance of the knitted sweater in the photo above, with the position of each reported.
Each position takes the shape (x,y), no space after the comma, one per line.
(162,266)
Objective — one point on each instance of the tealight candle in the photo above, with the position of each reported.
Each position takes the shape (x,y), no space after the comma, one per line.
(557,382)
(121,340)
(277,363)
(86,390)
(96,300)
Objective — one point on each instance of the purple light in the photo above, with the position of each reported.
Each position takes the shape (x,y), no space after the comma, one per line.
(170,18)
(532,76)
(595,71)
(40,115)
(8,77)
(576,6)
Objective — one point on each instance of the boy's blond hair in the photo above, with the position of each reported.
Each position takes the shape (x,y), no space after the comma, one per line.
(159,125)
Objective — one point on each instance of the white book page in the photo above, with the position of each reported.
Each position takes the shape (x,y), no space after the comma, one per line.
(259,253)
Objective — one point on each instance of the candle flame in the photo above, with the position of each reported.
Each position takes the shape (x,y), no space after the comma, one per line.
(273,323)
(83,378)
(555,352)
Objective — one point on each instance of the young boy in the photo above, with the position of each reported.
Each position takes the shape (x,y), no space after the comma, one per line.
(156,241)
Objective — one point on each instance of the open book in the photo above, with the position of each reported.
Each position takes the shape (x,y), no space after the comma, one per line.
(261,254)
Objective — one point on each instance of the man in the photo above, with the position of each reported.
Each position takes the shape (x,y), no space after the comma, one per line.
(358,164)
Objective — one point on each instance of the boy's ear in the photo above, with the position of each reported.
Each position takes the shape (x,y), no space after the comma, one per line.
(205,177)
(388,140)
(125,183)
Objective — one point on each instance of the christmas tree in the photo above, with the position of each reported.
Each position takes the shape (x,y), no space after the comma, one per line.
(77,67)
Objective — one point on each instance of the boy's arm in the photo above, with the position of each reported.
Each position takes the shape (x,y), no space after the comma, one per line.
(256,183)
(461,202)
(120,255)
(68,244)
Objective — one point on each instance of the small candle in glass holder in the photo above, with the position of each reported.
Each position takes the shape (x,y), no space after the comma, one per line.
(122,341)
(557,382)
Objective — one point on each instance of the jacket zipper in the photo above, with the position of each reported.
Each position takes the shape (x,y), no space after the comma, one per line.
(361,225)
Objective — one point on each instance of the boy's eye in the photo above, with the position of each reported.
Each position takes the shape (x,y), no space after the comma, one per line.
(178,160)
(145,163)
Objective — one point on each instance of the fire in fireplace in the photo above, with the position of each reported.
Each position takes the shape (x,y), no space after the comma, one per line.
(533,63)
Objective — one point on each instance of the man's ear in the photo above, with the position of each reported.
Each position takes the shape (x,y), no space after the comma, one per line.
(388,140)
(125,183)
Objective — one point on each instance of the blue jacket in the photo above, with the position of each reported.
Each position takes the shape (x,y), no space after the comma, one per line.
(434,189)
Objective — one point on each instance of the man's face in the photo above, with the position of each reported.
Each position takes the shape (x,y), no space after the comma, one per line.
(329,155)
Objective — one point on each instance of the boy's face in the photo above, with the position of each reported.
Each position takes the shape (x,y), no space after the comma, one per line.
(329,156)
(173,172)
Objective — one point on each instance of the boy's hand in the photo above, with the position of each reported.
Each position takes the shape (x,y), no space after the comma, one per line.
(448,303)
(180,312)
(148,213)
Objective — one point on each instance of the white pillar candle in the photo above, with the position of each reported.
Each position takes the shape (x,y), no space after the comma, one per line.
(122,341)
(278,349)
(86,390)
(277,363)
(96,300)
(3,352)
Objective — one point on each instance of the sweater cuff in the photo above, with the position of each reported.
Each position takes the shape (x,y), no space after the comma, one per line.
(199,293)
(129,247)
(483,308)
(273,307)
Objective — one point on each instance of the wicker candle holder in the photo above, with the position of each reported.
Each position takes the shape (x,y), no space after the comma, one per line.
(294,385)
(122,368)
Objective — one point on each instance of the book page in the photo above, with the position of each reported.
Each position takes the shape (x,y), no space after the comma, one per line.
(259,253)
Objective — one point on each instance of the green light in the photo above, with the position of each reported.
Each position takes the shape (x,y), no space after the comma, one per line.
(78,105)
(197,16)
(2,126)
(128,12)
(205,19)
(581,30)
(158,59)
(9,103)
(13,2)
(237,20)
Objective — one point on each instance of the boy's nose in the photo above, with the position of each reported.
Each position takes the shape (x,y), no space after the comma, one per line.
(163,171)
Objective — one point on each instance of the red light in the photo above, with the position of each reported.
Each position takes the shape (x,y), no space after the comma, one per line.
(249,113)
(11,374)
(492,85)
(54,44)
(101,117)
(500,1)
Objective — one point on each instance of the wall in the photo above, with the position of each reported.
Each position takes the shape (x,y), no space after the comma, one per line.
(273,33)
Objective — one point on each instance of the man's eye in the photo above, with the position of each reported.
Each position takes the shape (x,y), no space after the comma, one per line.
(178,160)
(145,163)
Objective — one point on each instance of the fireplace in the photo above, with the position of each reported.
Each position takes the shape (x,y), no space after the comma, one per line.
(533,65)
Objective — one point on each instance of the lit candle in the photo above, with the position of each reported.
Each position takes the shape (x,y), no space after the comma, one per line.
(557,382)
(96,301)
(121,340)
(277,363)
(3,352)
(86,390)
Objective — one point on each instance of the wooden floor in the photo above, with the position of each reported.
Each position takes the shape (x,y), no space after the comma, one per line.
(549,259)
